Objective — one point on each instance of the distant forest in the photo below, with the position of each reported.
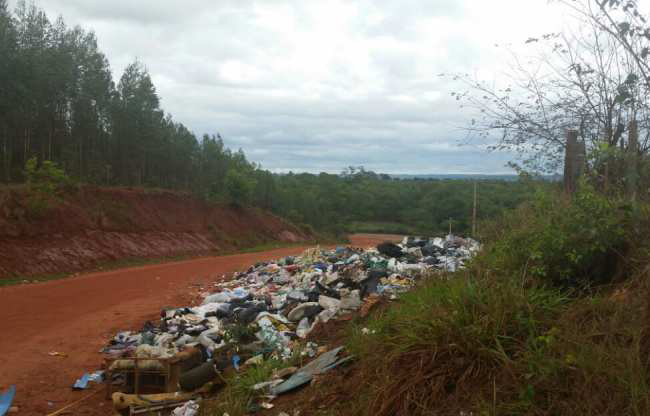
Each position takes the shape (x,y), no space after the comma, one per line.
(59,103)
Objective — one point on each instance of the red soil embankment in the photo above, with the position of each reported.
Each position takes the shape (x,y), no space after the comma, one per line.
(94,226)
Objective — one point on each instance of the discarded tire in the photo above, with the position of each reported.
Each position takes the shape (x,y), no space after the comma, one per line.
(198,376)
(390,250)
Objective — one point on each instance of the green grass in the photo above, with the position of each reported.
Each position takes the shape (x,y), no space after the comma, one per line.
(32,279)
(444,337)
(495,347)
(238,398)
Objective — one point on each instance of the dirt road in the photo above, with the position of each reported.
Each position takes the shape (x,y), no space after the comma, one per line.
(76,317)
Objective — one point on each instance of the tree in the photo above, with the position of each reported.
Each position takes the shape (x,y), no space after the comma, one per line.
(239,187)
(8,92)
(138,119)
(585,79)
(623,21)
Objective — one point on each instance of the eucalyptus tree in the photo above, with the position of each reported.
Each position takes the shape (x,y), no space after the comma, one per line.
(8,88)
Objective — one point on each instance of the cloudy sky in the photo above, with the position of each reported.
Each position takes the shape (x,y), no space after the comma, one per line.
(318,85)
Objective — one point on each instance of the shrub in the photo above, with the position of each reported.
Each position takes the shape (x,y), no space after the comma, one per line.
(47,178)
(555,240)
(44,182)
(239,187)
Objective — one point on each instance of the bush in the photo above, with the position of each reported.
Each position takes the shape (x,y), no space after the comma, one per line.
(555,240)
(239,187)
(47,178)
(44,182)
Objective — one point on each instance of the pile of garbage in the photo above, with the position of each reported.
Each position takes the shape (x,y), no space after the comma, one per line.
(269,309)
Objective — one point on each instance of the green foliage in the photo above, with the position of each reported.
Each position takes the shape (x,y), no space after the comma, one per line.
(239,187)
(44,181)
(559,241)
(238,398)
(368,202)
(47,178)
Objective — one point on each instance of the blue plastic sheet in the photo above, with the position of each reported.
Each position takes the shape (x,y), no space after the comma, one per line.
(81,383)
(6,399)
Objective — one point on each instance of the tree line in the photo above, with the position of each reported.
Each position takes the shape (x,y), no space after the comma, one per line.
(59,102)
(368,202)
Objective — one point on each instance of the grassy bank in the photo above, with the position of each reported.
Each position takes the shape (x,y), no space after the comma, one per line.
(551,318)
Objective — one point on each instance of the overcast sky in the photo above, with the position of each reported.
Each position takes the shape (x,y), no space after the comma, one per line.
(319,85)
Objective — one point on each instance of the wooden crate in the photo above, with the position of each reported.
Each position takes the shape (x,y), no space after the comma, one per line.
(169,373)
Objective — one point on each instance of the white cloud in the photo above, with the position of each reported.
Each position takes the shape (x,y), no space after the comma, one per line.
(315,85)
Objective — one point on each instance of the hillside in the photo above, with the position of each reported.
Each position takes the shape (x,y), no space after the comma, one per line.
(94,226)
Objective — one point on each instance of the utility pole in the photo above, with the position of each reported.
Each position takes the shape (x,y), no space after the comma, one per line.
(632,174)
(474,212)
(449,225)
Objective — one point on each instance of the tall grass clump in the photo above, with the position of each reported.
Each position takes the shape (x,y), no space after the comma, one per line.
(237,397)
(453,339)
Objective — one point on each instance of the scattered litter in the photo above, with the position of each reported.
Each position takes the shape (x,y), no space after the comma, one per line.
(124,401)
(190,408)
(265,384)
(81,383)
(324,363)
(96,377)
(269,310)
(256,360)
(285,372)
(198,376)
(57,354)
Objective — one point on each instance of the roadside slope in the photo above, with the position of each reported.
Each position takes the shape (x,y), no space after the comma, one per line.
(93,226)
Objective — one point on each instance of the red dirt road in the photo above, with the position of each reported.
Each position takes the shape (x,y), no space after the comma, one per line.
(76,316)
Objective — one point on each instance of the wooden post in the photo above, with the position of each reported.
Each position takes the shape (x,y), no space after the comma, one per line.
(631,174)
(136,376)
(474,212)
(572,162)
